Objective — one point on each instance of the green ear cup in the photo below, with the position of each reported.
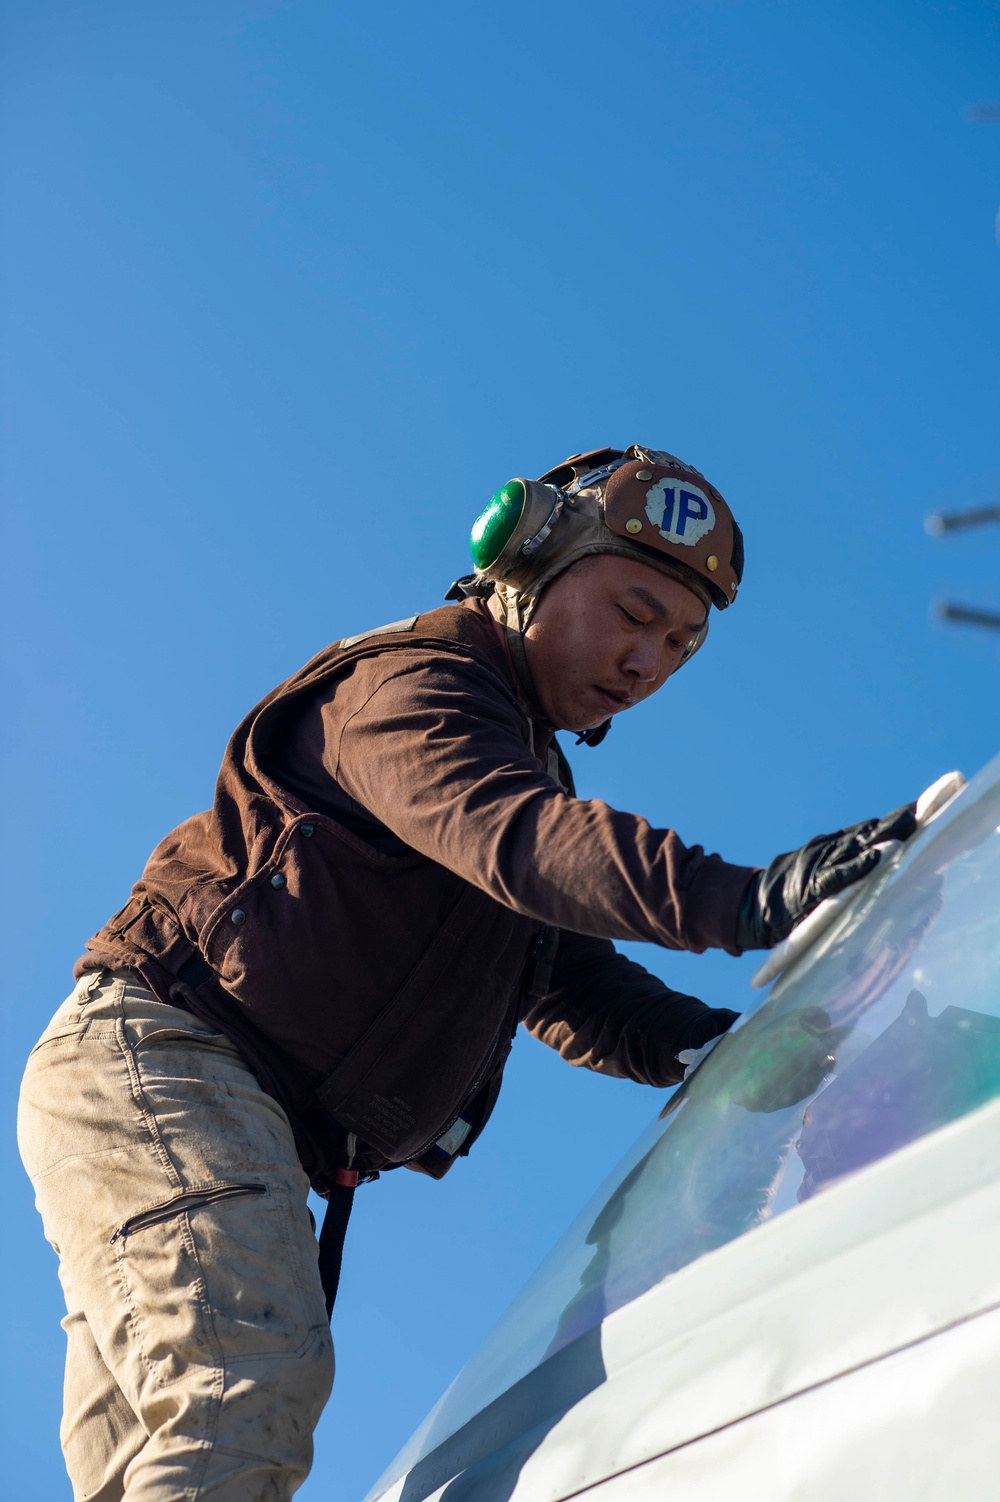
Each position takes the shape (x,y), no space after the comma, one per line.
(494,527)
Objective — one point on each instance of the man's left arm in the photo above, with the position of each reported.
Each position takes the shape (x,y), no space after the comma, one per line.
(607,1013)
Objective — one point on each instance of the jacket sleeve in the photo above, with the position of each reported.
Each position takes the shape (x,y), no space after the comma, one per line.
(436,750)
(606,1013)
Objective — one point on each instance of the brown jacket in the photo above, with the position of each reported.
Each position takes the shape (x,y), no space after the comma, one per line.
(392,876)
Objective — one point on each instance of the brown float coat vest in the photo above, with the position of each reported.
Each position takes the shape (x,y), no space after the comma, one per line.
(376,994)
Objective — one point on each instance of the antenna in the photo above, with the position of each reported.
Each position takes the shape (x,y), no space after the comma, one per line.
(969,617)
(956,521)
(943,522)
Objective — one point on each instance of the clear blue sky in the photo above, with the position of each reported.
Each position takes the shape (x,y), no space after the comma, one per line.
(289,289)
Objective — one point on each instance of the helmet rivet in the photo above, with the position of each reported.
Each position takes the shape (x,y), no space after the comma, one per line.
(644,474)
(712,563)
(633,524)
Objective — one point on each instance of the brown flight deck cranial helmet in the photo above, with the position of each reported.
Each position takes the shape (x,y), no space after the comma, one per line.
(638,502)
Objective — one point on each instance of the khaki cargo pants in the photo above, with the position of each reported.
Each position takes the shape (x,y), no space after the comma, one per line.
(198,1350)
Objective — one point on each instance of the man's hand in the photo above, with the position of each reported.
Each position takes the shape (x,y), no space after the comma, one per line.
(793,884)
(702,1036)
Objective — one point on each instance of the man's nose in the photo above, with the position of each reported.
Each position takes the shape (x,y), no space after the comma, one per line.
(642,663)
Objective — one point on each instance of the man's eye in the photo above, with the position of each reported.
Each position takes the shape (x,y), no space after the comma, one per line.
(632,619)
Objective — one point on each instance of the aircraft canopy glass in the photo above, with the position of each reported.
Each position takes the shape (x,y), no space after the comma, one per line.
(887,1029)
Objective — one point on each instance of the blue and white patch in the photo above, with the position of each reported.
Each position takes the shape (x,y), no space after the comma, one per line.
(680,511)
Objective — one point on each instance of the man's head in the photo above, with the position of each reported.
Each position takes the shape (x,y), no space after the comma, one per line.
(605,634)
(640,505)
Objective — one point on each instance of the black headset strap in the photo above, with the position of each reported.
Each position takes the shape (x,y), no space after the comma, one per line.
(593,737)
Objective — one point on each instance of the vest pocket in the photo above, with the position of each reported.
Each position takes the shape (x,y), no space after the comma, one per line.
(184,1200)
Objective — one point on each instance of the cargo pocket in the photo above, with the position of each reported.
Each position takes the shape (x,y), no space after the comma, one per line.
(219,1274)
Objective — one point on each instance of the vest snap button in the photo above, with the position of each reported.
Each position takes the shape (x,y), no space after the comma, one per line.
(307,831)
(238,916)
(277,880)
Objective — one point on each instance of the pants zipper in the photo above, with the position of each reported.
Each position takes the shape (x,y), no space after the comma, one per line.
(188,1199)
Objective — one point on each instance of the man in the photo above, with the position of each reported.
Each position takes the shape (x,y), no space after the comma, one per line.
(319,978)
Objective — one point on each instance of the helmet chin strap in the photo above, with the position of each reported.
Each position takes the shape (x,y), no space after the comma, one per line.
(514,629)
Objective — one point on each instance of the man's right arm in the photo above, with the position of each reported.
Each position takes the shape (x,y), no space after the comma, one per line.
(434,748)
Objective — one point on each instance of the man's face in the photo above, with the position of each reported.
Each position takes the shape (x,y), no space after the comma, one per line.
(606,634)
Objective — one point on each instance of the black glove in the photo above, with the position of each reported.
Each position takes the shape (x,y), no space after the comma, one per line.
(778,898)
(709,1025)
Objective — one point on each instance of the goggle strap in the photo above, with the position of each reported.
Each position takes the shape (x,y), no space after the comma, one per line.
(594,476)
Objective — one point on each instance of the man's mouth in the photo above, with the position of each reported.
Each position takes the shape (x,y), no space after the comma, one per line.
(613,701)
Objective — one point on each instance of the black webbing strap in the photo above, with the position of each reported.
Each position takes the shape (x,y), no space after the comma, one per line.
(194,972)
(331,1240)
